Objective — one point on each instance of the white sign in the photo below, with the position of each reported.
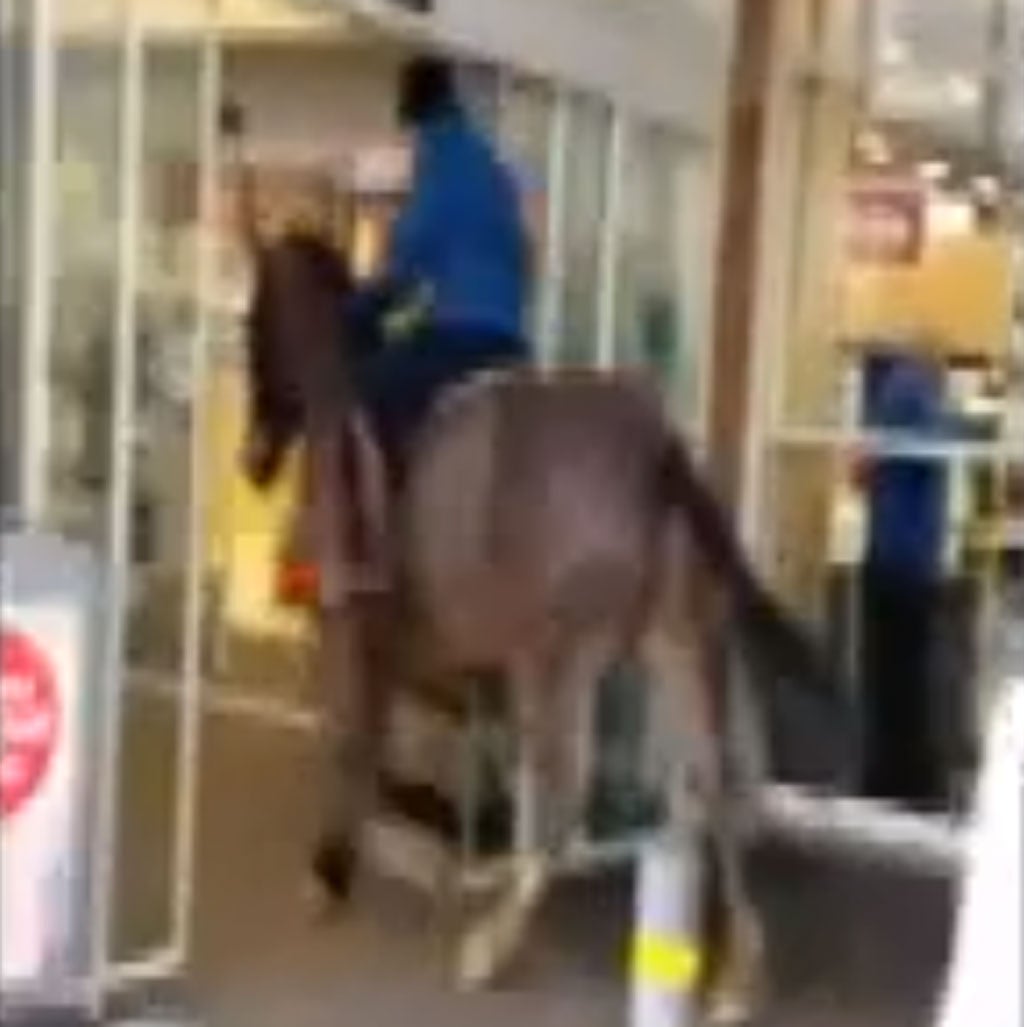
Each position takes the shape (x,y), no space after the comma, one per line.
(44,624)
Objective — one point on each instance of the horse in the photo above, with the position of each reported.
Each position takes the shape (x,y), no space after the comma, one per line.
(549,524)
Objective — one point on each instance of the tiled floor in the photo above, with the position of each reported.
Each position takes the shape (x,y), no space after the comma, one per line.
(847,947)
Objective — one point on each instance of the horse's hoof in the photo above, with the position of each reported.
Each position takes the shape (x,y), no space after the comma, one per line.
(736,1001)
(319,904)
(473,973)
(489,949)
(477,962)
(334,865)
(729,1011)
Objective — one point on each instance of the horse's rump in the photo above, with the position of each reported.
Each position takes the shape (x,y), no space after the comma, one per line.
(532,505)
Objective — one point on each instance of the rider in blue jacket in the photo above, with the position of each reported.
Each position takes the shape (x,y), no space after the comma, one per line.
(454,291)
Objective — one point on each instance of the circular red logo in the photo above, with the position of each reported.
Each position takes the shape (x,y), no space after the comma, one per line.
(30,719)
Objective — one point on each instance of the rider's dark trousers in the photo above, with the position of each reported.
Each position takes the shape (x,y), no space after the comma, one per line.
(399,382)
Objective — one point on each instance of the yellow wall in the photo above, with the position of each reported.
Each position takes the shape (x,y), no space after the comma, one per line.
(959,294)
(245,527)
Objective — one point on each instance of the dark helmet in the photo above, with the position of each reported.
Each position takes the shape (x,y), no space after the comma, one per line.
(426,88)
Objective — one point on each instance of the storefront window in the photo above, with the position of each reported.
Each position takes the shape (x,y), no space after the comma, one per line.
(650,286)
(525,136)
(890,455)
(584,209)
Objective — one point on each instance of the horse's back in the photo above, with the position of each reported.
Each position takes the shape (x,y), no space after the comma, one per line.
(533,502)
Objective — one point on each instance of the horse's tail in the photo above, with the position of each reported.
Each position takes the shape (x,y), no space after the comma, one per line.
(807,704)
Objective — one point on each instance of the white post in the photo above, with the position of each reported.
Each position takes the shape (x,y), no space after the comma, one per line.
(666,952)
(38,311)
(126,254)
(190,710)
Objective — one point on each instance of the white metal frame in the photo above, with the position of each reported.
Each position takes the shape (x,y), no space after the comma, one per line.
(891,444)
(40,226)
(552,270)
(204,285)
(129,171)
(169,958)
(42,249)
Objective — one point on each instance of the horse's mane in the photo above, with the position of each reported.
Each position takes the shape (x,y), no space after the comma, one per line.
(275,402)
(327,262)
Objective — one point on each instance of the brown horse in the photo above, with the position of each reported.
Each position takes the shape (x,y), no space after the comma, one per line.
(550,523)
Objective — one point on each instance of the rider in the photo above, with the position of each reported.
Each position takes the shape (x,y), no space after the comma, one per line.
(453,293)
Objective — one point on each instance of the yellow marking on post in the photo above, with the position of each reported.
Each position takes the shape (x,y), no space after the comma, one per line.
(667,962)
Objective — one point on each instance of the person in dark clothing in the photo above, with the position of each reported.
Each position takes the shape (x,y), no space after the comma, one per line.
(901,587)
(452,297)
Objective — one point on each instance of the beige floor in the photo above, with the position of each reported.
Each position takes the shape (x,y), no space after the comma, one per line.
(847,947)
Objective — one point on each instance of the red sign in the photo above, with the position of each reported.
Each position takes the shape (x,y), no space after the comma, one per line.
(30,719)
(886,220)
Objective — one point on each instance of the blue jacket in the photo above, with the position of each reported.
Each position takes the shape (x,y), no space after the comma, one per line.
(908,498)
(461,233)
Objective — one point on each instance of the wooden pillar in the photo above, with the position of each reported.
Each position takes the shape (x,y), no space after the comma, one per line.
(737,253)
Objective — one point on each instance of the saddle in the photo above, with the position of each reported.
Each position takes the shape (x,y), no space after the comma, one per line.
(377,477)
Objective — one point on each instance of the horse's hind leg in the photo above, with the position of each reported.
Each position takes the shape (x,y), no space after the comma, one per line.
(550,693)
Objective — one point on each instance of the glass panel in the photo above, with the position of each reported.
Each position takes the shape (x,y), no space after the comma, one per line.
(664,279)
(525,129)
(650,329)
(697,228)
(479,84)
(167,315)
(86,216)
(166,323)
(585,201)
(14,87)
